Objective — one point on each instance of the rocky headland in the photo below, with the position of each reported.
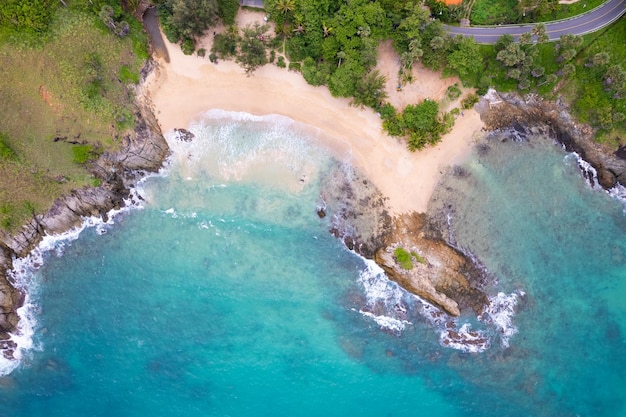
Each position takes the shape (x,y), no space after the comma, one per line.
(142,151)
(531,114)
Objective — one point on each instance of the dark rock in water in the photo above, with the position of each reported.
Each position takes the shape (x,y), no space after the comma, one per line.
(357,210)
(321,212)
(621,152)
(183,135)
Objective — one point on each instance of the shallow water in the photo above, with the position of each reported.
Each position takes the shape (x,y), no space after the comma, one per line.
(226,295)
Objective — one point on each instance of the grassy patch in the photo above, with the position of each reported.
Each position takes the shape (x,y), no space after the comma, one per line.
(6,152)
(84,153)
(403,258)
(490,12)
(68,87)
(592,102)
(128,76)
(418,258)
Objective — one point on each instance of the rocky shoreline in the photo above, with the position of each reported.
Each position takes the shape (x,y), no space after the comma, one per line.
(441,274)
(143,151)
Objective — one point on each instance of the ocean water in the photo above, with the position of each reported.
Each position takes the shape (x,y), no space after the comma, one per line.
(224,294)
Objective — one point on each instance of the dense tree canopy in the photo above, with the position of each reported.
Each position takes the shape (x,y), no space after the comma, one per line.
(187,19)
(32,16)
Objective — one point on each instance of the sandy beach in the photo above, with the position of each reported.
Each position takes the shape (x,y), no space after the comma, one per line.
(188,86)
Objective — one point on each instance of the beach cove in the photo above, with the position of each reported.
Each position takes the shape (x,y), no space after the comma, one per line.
(187,86)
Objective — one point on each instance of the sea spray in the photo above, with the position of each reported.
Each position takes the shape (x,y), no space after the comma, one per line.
(392,307)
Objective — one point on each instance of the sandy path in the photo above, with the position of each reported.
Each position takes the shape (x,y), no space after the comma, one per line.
(188,86)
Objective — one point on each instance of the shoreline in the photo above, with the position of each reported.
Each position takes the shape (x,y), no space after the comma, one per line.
(184,88)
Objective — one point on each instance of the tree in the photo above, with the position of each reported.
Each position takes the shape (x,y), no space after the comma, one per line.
(512,55)
(422,124)
(538,71)
(526,38)
(370,90)
(227,11)
(615,78)
(437,42)
(540,31)
(601,59)
(568,69)
(252,48)
(504,41)
(187,19)
(33,16)
(285,6)
(466,58)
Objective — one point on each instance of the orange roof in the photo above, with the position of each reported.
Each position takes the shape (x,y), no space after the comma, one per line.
(452,2)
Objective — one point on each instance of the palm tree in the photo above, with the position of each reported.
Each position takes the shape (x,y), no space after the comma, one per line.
(341,55)
(285,6)
(326,29)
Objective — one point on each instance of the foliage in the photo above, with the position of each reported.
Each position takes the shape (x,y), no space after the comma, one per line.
(295,66)
(128,76)
(418,258)
(84,153)
(27,16)
(469,101)
(252,48)
(225,45)
(187,19)
(188,46)
(403,258)
(370,90)
(280,62)
(314,74)
(227,11)
(465,59)
(489,12)
(6,152)
(453,92)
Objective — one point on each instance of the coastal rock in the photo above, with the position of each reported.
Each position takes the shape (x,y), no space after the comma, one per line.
(183,135)
(510,111)
(440,274)
(142,151)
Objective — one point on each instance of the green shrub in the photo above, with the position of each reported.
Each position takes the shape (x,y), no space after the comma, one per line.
(128,76)
(403,258)
(281,62)
(201,52)
(295,66)
(188,46)
(453,92)
(272,56)
(84,153)
(418,258)
(225,45)
(6,152)
(469,101)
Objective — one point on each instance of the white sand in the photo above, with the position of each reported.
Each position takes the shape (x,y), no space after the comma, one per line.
(188,86)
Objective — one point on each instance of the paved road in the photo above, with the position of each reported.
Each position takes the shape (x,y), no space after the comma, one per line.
(589,22)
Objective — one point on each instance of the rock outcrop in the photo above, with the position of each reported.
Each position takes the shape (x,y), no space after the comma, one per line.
(142,151)
(504,111)
(440,274)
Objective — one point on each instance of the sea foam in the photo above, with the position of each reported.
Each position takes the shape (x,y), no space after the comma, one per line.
(24,277)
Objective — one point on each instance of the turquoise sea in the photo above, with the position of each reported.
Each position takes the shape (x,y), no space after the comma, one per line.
(223,293)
